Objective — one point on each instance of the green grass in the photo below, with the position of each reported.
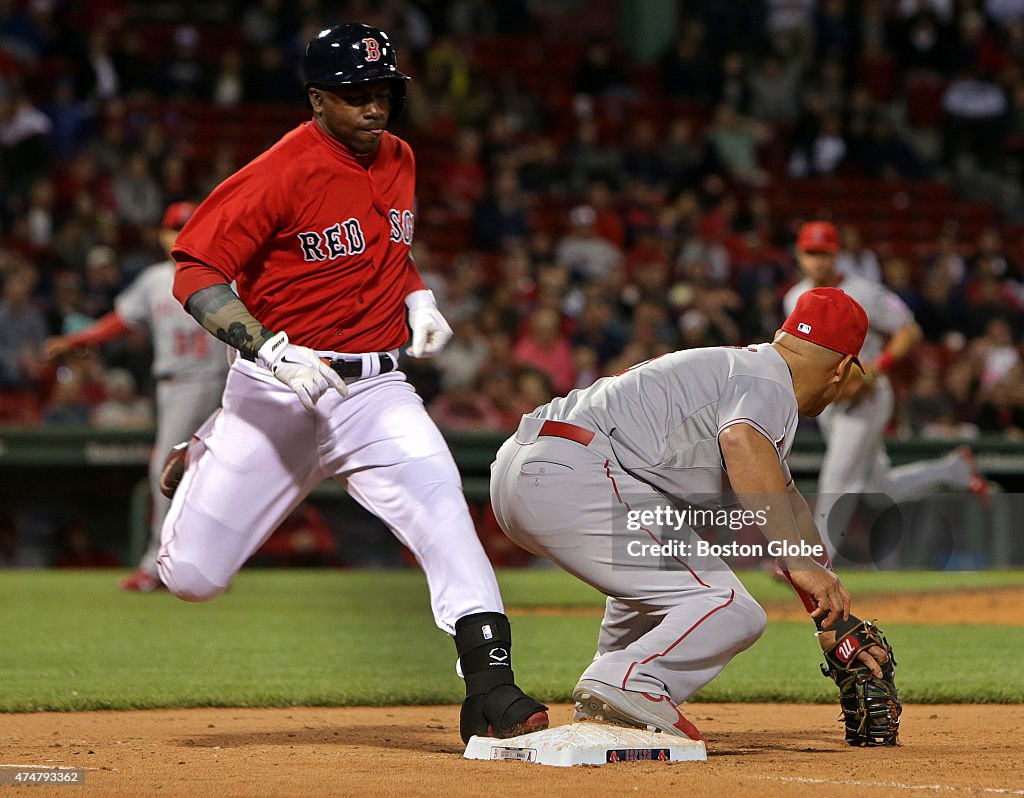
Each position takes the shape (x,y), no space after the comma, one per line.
(73,641)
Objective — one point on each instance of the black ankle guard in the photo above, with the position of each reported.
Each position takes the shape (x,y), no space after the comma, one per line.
(493,705)
(484,643)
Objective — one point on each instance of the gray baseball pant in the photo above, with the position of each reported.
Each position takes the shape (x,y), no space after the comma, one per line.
(671,624)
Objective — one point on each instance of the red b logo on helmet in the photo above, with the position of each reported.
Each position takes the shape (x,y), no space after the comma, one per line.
(372,49)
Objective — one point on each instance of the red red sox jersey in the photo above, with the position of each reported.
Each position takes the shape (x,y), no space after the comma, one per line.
(316,239)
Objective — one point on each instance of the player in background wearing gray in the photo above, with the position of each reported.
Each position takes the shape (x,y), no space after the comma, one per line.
(702,428)
(189,367)
(853,427)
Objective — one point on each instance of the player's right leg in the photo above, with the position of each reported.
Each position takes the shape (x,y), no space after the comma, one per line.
(246,471)
(395,462)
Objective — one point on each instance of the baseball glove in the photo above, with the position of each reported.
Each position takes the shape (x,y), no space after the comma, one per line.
(870,705)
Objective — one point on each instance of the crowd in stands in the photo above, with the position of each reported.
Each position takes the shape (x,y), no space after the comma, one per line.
(579,210)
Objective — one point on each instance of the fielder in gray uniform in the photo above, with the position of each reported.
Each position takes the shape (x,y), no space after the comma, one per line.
(853,427)
(704,427)
(189,367)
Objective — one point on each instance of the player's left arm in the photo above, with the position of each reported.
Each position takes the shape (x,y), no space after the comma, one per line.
(430,330)
(757,478)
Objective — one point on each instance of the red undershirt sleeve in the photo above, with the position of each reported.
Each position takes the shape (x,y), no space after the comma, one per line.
(104,329)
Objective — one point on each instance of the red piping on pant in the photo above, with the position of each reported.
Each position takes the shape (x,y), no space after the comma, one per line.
(732,595)
(608,473)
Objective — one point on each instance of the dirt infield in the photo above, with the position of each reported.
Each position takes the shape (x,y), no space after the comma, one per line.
(755,749)
(999,606)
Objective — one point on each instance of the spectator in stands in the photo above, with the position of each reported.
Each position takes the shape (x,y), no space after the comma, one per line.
(929,409)
(855,258)
(102,281)
(975,116)
(184,75)
(941,307)
(947,260)
(989,298)
(24,140)
(464,180)
(459,367)
(884,154)
(139,199)
(834,33)
(790,25)
(40,214)
(229,83)
(545,347)
(600,74)
(682,154)
(1001,405)
(734,140)
(67,405)
(922,40)
(135,71)
(608,223)
(22,331)
(686,68)
(97,73)
(775,89)
(582,251)
(261,22)
(897,277)
(989,248)
(641,159)
(587,159)
(599,330)
(500,218)
(269,80)
(995,352)
(731,87)
(122,408)
(825,153)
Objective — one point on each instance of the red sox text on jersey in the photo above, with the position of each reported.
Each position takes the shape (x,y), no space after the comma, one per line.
(325,254)
(346,238)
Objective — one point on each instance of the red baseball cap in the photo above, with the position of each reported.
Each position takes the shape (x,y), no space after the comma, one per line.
(829,317)
(177,214)
(818,237)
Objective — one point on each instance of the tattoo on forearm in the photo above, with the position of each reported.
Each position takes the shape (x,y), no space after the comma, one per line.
(221,312)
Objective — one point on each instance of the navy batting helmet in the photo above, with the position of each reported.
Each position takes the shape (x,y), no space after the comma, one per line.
(354,53)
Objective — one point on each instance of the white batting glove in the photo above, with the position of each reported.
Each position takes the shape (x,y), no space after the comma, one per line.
(300,369)
(430,332)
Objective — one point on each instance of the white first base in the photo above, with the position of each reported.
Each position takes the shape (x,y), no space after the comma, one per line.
(588,743)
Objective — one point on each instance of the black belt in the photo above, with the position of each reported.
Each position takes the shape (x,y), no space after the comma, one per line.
(352,369)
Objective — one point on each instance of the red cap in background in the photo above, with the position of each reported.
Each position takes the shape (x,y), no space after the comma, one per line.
(177,214)
(830,318)
(818,237)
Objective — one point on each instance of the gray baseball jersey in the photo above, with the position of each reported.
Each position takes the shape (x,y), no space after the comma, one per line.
(662,417)
(886,312)
(181,347)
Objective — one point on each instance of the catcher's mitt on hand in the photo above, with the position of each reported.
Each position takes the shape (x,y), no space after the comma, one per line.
(871,705)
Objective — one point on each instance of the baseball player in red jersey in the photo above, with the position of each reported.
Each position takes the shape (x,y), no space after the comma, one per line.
(188,366)
(315,233)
